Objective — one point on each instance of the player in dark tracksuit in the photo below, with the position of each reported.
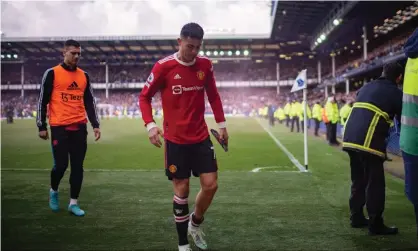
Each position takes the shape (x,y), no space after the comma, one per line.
(367,127)
(67,94)
(9,114)
(271,115)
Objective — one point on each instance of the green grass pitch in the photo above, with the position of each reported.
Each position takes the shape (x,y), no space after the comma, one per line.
(128,199)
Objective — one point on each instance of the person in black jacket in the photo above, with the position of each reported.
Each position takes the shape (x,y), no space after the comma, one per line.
(367,128)
(270,114)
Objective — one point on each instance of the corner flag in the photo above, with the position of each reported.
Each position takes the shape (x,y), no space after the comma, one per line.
(300,82)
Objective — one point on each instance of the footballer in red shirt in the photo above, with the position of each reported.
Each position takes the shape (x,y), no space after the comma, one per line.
(182,79)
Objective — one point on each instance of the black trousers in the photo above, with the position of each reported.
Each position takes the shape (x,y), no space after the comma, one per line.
(295,120)
(287,120)
(332,133)
(68,146)
(368,185)
(271,120)
(9,119)
(317,123)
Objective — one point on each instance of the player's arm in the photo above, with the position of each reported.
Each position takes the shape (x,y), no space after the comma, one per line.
(44,98)
(215,99)
(90,105)
(153,84)
(216,103)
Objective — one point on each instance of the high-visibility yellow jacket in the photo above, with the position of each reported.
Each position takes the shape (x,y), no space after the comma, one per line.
(279,114)
(294,109)
(287,109)
(409,126)
(316,112)
(308,112)
(344,112)
(331,111)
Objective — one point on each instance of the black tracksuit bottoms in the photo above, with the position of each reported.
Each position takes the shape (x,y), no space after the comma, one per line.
(68,145)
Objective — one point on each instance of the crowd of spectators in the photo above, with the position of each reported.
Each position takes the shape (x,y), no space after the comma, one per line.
(225,71)
(392,47)
(235,100)
(125,103)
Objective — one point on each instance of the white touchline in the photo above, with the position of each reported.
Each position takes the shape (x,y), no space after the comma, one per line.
(258,169)
(279,144)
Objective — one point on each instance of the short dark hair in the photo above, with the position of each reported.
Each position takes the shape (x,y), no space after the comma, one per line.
(72,42)
(392,70)
(192,30)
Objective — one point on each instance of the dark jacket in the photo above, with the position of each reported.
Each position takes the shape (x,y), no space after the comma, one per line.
(270,111)
(411,45)
(367,127)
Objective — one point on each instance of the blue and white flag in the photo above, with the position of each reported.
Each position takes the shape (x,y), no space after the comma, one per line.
(301,82)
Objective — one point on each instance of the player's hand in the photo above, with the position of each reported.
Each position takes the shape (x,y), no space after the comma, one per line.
(97,133)
(223,135)
(43,135)
(154,136)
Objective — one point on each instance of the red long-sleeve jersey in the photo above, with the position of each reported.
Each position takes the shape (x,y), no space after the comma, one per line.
(182,86)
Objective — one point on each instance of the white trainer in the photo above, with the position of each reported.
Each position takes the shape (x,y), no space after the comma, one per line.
(185,248)
(197,234)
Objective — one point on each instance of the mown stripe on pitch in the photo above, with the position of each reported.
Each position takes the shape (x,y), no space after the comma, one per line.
(126,170)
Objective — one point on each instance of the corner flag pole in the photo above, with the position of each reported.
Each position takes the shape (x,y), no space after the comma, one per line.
(305,126)
(301,83)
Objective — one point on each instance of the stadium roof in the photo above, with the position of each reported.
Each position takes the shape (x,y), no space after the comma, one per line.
(380,19)
(296,24)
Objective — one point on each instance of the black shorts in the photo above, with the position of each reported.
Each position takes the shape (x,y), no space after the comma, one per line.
(183,160)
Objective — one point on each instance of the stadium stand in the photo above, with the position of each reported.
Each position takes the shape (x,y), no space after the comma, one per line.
(241,99)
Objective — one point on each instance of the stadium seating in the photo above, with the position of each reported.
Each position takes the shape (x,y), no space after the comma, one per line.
(242,101)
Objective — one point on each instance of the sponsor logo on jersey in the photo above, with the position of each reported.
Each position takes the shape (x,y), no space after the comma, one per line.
(73,86)
(68,96)
(192,88)
(178,89)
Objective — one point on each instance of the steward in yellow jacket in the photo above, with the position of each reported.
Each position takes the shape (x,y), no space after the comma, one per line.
(279,114)
(287,113)
(294,114)
(317,116)
(345,111)
(301,115)
(331,111)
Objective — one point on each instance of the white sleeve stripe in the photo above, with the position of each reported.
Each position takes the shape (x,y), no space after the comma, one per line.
(41,96)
